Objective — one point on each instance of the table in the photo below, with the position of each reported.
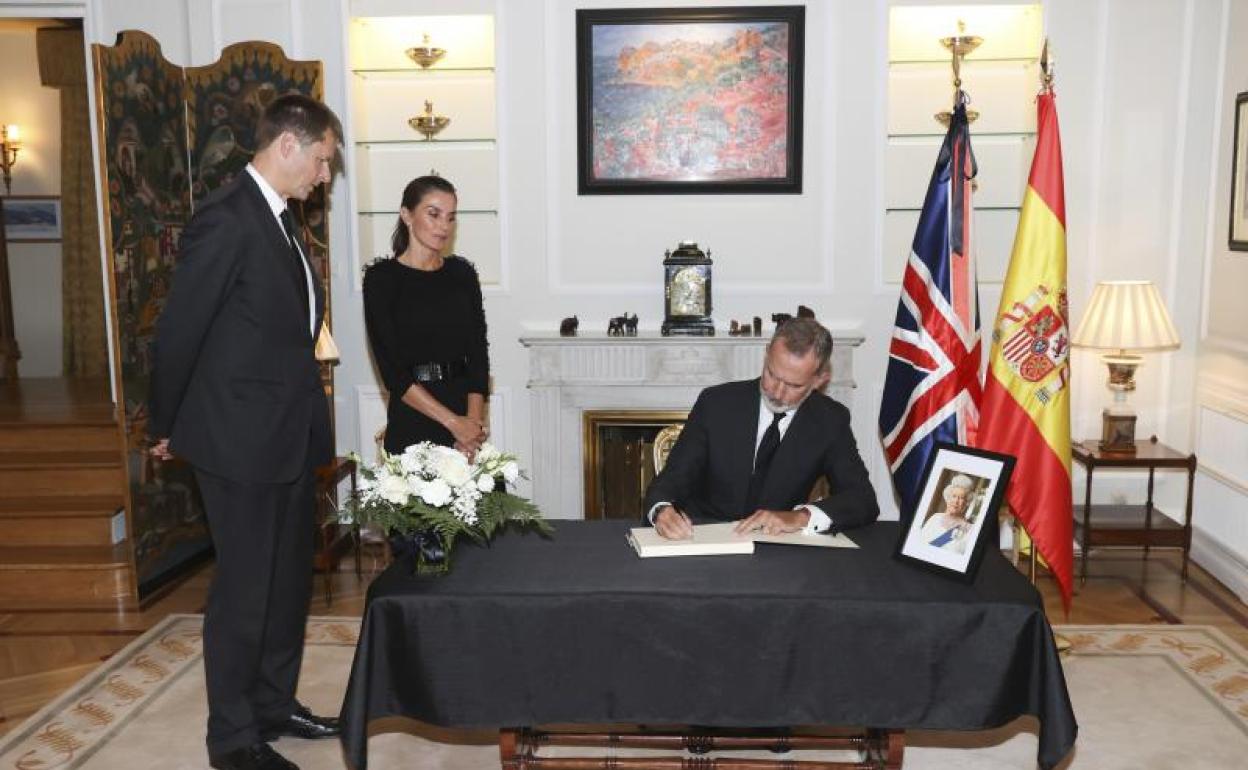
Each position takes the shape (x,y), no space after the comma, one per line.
(577,629)
(1119,525)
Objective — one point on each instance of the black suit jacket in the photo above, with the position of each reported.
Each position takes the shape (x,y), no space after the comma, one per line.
(707,474)
(235,384)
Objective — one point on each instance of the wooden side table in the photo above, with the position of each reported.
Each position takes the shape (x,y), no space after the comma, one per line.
(333,538)
(1120,525)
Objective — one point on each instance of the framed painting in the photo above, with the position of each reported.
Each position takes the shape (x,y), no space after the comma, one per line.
(1239,176)
(32,218)
(689,100)
(957,510)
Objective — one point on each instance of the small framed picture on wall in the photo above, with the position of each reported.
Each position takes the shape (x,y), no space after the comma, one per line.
(1239,176)
(32,218)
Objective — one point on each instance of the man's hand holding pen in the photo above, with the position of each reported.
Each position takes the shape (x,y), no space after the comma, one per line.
(673,524)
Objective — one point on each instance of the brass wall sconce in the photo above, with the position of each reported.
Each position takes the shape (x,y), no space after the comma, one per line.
(959,46)
(429,124)
(10,143)
(425,54)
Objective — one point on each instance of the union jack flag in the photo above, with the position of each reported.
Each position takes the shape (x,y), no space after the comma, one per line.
(932,389)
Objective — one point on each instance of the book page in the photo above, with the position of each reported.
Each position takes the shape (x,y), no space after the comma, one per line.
(707,540)
(717,539)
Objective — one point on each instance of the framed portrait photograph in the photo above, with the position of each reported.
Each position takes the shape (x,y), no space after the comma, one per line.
(1239,176)
(957,510)
(32,218)
(689,100)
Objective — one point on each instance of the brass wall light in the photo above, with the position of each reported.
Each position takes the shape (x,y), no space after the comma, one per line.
(429,124)
(425,54)
(10,143)
(959,46)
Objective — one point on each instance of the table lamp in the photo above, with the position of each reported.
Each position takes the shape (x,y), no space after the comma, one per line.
(1124,318)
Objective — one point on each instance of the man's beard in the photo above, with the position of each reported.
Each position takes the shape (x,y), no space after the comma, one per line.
(775,407)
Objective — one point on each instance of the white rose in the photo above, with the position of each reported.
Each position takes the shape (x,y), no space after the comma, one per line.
(485,482)
(436,493)
(487,453)
(511,472)
(452,467)
(393,489)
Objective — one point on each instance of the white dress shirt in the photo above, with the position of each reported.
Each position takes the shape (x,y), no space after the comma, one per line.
(819,521)
(278,205)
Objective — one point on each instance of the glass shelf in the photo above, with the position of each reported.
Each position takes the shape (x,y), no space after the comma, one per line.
(459,212)
(400,73)
(429,142)
(974,134)
(897,209)
(971,60)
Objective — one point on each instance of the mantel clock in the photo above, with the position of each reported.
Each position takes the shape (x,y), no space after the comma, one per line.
(687,291)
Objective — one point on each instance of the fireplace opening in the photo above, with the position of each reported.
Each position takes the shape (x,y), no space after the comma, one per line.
(619,459)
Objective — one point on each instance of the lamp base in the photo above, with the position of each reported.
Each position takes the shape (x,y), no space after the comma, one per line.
(1117,432)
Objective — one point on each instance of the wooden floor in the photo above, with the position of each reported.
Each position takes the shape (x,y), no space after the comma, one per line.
(41,654)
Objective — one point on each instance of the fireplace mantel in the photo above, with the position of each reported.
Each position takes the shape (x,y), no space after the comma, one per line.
(569,375)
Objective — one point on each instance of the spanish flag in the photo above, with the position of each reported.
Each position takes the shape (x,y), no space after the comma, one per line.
(1026,406)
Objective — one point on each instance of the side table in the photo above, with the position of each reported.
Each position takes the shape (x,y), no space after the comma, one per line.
(333,538)
(1120,525)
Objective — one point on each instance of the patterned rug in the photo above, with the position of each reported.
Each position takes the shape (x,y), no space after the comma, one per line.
(1152,697)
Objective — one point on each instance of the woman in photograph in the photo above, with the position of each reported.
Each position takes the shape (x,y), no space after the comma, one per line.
(950,529)
(426,326)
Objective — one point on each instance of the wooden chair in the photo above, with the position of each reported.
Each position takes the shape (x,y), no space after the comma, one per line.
(664,440)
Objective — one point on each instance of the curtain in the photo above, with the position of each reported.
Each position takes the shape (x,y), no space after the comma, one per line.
(62,65)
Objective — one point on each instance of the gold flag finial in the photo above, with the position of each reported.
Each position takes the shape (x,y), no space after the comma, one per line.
(1046,68)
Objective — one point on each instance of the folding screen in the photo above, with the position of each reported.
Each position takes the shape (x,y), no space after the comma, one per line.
(169,136)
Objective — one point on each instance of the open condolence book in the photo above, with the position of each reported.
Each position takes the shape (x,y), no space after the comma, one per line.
(719,539)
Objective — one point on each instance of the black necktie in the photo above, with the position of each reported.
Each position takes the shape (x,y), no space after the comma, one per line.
(762,462)
(300,276)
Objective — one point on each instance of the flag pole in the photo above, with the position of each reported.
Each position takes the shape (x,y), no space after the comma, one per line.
(1046,87)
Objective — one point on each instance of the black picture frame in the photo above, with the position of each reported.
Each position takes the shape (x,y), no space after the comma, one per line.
(927,539)
(657,131)
(1237,238)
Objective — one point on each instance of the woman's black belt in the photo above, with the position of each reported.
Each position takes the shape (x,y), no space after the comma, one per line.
(437,371)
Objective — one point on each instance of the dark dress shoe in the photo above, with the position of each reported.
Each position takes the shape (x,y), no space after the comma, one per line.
(258,756)
(303,724)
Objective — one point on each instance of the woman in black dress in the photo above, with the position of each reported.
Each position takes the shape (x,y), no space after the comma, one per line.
(426,325)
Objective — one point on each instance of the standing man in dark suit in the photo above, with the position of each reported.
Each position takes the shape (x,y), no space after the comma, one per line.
(752,450)
(236,392)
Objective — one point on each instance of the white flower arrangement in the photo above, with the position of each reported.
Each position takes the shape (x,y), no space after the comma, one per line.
(433,490)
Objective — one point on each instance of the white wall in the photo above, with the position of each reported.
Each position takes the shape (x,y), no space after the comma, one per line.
(34,268)
(1143,93)
(1221,402)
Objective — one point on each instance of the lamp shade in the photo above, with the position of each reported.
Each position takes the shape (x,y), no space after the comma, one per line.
(1126,315)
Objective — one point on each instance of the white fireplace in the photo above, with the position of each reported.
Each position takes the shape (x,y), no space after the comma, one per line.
(569,375)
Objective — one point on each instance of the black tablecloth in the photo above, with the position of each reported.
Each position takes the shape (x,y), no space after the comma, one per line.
(577,629)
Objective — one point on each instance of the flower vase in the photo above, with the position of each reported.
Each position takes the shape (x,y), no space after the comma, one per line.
(430,554)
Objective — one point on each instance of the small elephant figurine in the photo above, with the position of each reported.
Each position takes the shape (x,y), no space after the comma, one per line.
(630,325)
(567,327)
(780,319)
(615,326)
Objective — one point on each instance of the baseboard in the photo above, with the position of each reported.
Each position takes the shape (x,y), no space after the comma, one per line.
(1228,567)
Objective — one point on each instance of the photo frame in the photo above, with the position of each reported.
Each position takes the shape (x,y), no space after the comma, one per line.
(1238,238)
(957,510)
(689,100)
(32,218)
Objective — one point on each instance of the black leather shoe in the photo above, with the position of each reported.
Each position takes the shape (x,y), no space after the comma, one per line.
(258,756)
(303,724)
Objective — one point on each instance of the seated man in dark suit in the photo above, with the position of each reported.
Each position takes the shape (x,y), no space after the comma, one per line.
(752,450)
